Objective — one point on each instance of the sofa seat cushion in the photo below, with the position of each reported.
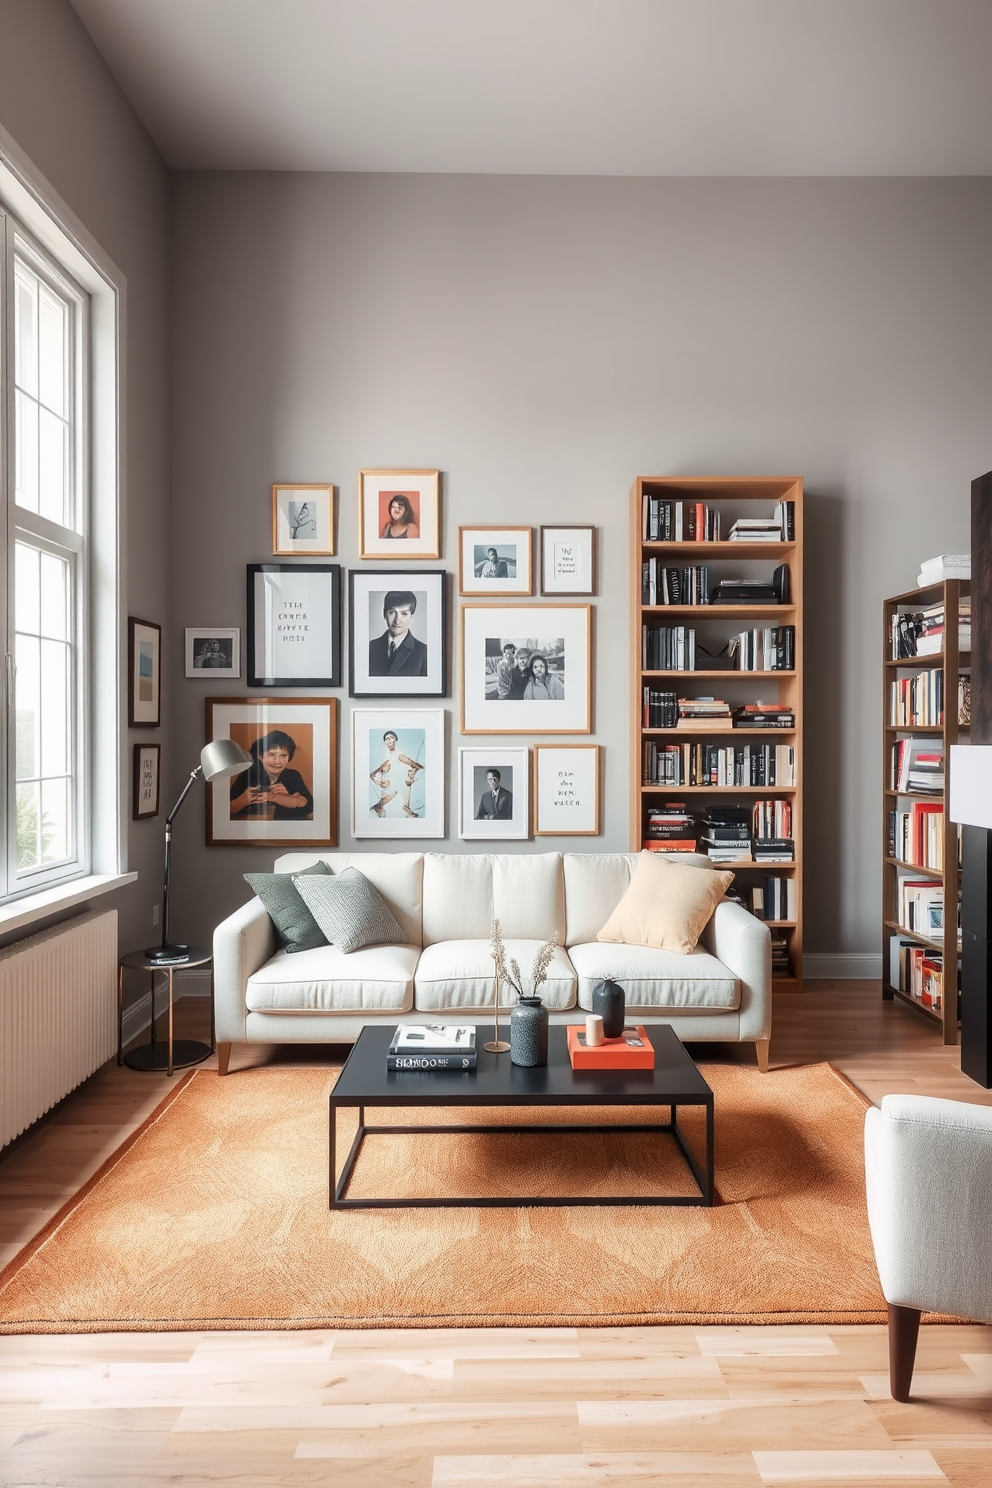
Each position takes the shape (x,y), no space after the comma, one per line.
(378,979)
(459,974)
(654,979)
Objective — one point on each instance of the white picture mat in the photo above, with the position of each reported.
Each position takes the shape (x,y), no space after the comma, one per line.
(196,633)
(147,641)
(368,750)
(370,589)
(294,624)
(498,538)
(282,716)
(427,485)
(567,790)
(515,760)
(567,560)
(320,501)
(569,715)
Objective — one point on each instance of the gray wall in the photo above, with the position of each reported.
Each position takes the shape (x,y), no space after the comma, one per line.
(67,114)
(543,341)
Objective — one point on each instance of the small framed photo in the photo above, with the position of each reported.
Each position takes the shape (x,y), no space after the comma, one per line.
(566,790)
(397,633)
(399,514)
(568,560)
(494,793)
(526,669)
(303,521)
(213,652)
(294,625)
(144,673)
(146,775)
(398,772)
(494,560)
(289,795)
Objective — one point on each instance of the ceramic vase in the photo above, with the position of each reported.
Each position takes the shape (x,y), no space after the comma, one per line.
(608,1000)
(529,1032)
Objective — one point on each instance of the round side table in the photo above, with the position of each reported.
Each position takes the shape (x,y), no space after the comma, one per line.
(163,1054)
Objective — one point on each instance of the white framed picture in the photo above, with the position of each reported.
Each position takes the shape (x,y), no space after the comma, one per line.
(494,560)
(399,514)
(397,767)
(212,651)
(303,521)
(526,669)
(566,790)
(397,632)
(568,560)
(494,793)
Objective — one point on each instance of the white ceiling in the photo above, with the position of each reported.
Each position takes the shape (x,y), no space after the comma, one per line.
(588,87)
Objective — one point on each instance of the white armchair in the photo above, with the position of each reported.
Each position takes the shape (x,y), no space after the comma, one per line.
(928,1170)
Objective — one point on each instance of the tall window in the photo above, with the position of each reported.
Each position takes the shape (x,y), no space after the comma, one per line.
(44,318)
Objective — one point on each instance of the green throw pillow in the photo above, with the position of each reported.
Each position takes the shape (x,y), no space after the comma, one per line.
(350,911)
(296,926)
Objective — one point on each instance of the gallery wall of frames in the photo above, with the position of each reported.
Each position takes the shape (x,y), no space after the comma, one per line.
(494,653)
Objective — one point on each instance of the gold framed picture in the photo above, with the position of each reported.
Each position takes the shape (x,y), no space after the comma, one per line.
(303,521)
(399,514)
(494,561)
(526,669)
(566,790)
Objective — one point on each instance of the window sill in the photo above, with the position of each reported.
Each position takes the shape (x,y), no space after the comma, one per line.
(19,913)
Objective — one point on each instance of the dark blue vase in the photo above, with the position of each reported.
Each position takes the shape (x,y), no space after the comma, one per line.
(608,1000)
(529,1032)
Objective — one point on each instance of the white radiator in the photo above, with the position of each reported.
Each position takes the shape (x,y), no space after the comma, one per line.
(58,1015)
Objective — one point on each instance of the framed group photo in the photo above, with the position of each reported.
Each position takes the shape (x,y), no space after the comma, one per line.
(397,633)
(566,790)
(212,651)
(526,669)
(399,514)
(397,769)
(303,521)
(294,625)
(494,793)
(568,560)
(144,673)
(147,761)
(494,561)
(288,797)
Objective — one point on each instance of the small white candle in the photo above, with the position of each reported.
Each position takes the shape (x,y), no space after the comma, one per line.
(594,1030)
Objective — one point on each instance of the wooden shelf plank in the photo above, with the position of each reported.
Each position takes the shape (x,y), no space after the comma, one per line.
(723,549)
(723,733)
(937,873)
(905,934)
(725,672)
(936,796)
(732,612)
(914,1002)
(915,663)
(721,790)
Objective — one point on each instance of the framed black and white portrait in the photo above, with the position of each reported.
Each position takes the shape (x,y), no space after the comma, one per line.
(212,652)
(397,633)
(526,669)
(294,625)
(398,772)
(494,793)
(494,560)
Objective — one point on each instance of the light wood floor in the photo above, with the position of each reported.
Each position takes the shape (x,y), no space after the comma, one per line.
(718,1407)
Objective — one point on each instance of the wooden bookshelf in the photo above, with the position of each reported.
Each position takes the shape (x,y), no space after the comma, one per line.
(734,498)
(952,661)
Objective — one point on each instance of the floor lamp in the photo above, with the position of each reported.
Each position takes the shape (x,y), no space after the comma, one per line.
(219,760)
(971,807)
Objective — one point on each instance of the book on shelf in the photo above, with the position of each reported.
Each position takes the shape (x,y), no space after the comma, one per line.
(785,515)
(666,520)
(917,768)
(771,820)
(917,971)
(964,700)
(632,1050)
(668,648)
(781,966)
(756,529)
(774,898)
(703,712)
(665,585)
(921,907)
(719,765)
(764,715)
(773,850)
(921,632)
(917,836)
(769,649)
(918,702)
(659,709)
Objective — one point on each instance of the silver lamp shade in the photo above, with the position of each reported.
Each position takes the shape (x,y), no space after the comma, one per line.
(222,758)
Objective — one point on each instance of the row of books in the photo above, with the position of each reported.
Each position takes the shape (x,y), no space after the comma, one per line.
(672,648)
(921,906)
(665,520)
(916,768)
(721,765)
(769,649)
(668,648)
(921,632)
(772,819)
(917,835)
(662,585)
(917,971)
(661,709)
(781,965)
(918,701)
(774,898)
(726,833)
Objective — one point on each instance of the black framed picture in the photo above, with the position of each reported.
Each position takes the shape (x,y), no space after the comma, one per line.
(294,625)
(147,759)
(398,633)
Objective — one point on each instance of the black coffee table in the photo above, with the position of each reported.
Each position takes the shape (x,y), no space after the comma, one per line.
(365,1081)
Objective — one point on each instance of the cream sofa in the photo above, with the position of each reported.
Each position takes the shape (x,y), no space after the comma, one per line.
(445,904)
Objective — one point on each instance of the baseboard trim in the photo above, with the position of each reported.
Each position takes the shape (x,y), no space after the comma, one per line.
(842,967)
(138,1015)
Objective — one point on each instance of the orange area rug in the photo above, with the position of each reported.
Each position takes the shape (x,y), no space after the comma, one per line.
(214,1215)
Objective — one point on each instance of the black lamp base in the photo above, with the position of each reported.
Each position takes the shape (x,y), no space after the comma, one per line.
(168,955)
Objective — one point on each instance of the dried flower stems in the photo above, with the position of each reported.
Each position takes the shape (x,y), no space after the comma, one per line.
(509,971)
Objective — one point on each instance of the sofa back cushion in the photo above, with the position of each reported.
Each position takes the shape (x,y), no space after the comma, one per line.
(399,878)
(463,892)
(596,882)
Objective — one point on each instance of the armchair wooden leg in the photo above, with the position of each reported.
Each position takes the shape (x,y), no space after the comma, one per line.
(223,1058)
(761,1045)
(904,1330)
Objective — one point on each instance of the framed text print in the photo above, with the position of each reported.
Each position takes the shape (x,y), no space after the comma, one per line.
(289,795)
(147,758)
(566,790)
(568,560)
(494,561)
(144,673)
(294,625)
(303,521)
(526,669)
(397,767)
(397,632)
(494,793)
(399,514)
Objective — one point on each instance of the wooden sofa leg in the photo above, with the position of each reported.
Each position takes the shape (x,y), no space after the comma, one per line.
(904,1330)
(223,1058)
(761,1045)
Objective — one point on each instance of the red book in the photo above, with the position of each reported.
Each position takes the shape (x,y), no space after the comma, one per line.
(632,1050)
(670,844)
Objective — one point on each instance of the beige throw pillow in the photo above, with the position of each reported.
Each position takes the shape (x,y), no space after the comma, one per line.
(666,905)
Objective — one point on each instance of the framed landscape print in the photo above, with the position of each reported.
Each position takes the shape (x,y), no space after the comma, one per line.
(526,669)
(289,795)
(212,652)
(566,790)
(303,521)
(397,633)
(399,514)
(494,560)
(144,673)
(294,625)
(568,560)
(147,758)
(494,793)
(397,767)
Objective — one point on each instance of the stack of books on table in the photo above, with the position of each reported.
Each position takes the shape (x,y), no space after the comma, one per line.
(764,715)
(632,1050)
(434,1046)
(670,828)
(728,834)
(945,566)
(703,713)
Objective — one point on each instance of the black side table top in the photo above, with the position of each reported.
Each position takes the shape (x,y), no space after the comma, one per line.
(139,961)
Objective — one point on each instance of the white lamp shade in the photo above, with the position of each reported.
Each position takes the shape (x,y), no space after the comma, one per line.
(971,785)
(223,757)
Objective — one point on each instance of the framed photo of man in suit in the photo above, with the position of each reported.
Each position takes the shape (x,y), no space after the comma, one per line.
(495,793)
(397,633)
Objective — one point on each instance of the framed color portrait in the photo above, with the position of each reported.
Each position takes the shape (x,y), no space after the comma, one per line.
(213,652)
(397,768)
(568,560)
(147,760)
(494,793)
(566,790)
(397,633)
(289,795)
(494,560)
(399,514)
(526,669)
(303,521)
(144,673)
(294,625)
